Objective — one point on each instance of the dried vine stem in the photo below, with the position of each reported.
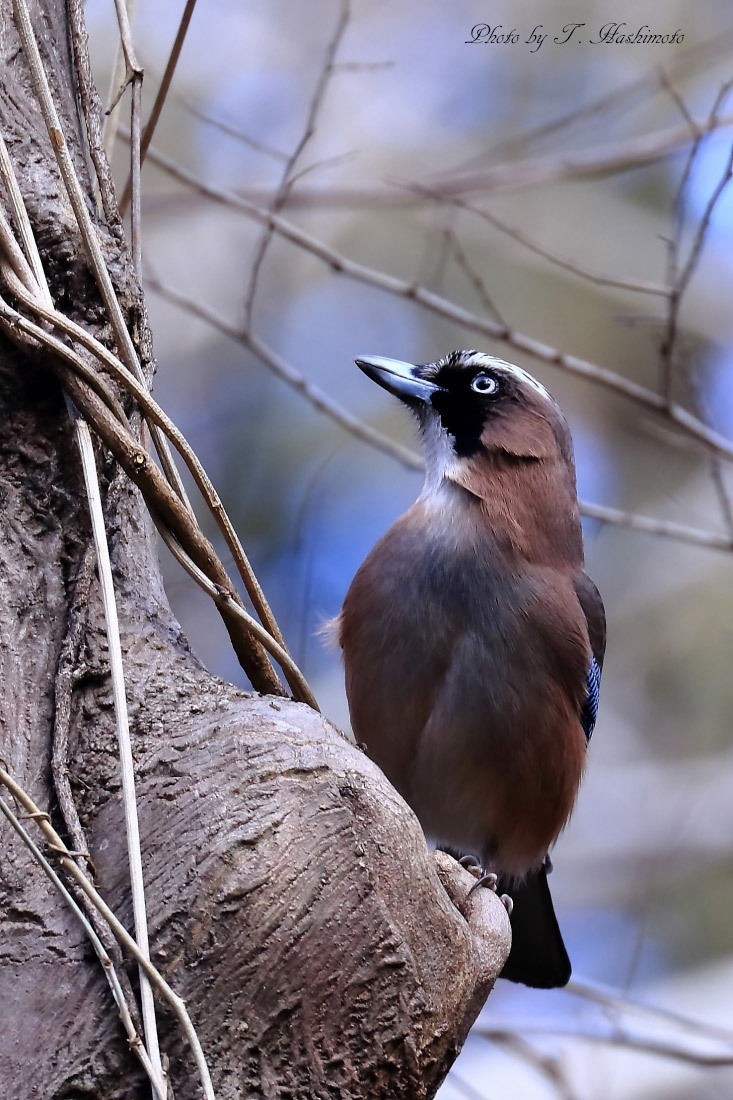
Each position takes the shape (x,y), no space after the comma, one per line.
(134,1041)
(572,364)
(127,767)
(64,680)
(155,414)
(109,133)
(117,672)
(120,932)
(92,111)
(86,227)
(256,660)
(160,99)
(166,508)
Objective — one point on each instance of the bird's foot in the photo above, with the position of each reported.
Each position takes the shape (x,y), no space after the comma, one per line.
(508,904)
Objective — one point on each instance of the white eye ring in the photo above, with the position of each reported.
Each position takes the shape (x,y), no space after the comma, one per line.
(484,384)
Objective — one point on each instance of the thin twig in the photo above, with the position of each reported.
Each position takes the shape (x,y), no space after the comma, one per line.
(548,1066)
(677,281)
(444,308)
(617,1002)
(664,1048)
(724,496)
(510,177)
(478,284)
(312,393)
(132,65)
(596,277)
(120,932)
(227,128)
(135,213)
(288,178)
(664,528)
(620,156)
(165,84)
(134,1041)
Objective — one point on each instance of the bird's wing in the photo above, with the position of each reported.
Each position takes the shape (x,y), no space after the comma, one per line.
(595,616)
(590,600)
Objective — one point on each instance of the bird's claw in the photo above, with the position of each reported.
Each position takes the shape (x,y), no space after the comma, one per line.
(472,865)
(489,880)
(508,904)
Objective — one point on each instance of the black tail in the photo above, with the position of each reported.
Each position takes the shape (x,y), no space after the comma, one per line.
(538,956)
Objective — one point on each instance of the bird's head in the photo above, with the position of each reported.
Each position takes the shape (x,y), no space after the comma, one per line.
(473,407)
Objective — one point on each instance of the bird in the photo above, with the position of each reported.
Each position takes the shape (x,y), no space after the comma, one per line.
(473,639)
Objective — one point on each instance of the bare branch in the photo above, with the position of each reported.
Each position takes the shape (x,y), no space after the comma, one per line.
(442,307)
(604,160)
(724,496)
(616,1002)
(664,528)
(225,127)
(548,1066)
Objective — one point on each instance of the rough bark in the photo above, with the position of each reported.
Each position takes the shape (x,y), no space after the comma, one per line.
(293,902)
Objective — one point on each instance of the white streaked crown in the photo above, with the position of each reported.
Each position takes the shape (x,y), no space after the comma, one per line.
(481,359)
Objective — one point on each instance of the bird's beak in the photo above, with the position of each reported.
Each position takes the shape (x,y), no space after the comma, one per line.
(401,379)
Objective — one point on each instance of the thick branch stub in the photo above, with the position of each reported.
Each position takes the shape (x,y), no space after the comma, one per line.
(307,927)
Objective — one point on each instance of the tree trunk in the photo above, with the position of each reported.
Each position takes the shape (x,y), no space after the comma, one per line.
(292,900)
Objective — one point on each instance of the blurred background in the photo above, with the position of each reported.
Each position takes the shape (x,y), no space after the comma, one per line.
(561,142)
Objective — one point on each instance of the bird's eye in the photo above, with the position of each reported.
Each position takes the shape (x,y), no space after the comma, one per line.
(485,384)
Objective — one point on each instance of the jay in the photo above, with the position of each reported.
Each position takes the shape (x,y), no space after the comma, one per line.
(473,639)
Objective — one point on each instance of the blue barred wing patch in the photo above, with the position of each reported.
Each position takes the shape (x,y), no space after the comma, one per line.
(589,713)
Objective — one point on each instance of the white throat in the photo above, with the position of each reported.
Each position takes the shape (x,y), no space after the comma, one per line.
(439,456)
